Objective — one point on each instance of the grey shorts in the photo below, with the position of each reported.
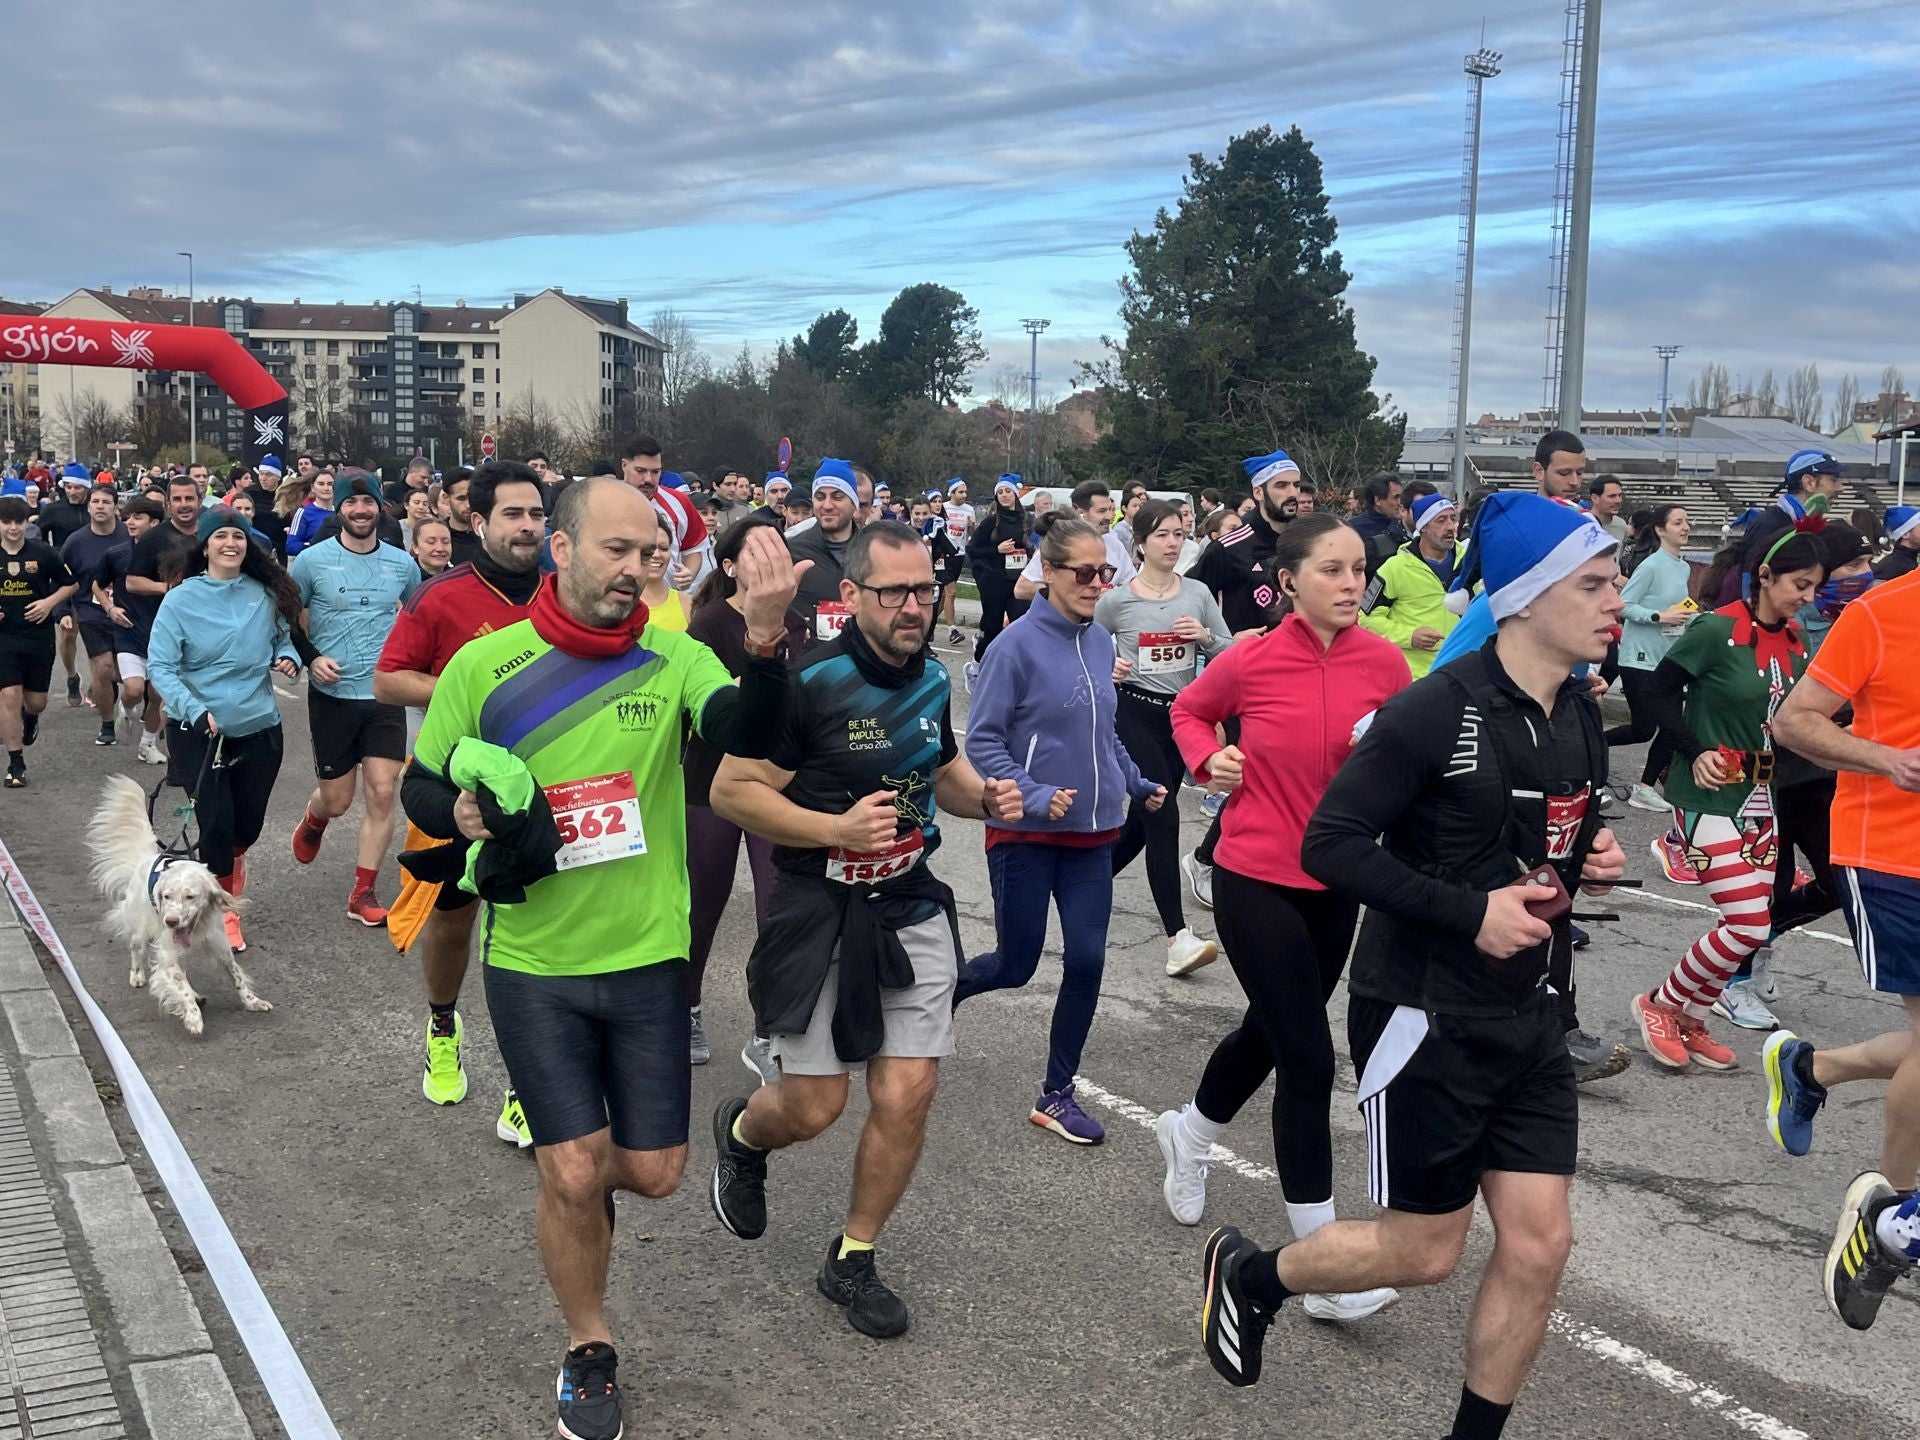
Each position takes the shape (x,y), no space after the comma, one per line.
(918,1019)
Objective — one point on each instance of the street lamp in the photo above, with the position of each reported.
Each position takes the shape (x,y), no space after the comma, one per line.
(1666,354)
(1481,66)
(1033,328)
(193,376)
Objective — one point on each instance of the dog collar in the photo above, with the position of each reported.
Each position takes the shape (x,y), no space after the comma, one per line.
(161,864)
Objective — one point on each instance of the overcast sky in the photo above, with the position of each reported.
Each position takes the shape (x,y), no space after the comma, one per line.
(755,163)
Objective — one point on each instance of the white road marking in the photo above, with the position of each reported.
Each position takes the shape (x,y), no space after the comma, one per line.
(1585,1337)
(1711,910)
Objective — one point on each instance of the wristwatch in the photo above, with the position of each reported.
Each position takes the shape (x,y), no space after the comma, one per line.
(775,651)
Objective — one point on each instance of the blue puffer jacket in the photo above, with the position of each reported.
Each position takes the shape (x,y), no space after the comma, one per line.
(1042,716)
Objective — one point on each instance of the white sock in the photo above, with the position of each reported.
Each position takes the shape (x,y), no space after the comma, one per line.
(1198,1128)
(1306,1219)
(1898,1229)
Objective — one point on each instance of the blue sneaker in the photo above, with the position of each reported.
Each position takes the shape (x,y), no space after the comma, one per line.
(1792,1099)
(1058,1111)
(588,1395)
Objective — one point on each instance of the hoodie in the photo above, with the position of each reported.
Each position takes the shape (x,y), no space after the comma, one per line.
(214,643)
(1043,709)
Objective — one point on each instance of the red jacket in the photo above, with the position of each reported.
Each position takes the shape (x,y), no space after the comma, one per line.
(1297,704)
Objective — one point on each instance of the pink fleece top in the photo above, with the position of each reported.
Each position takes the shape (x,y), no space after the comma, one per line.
(1298,704)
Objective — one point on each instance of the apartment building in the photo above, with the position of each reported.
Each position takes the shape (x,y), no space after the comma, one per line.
(392,376)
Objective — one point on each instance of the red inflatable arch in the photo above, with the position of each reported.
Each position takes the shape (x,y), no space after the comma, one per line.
(124,345)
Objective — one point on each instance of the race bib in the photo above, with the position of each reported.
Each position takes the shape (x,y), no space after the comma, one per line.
(1564,816)
(1162,653)
(598,820)
(829,619)
(1016,559)
(870,867)
(957,516)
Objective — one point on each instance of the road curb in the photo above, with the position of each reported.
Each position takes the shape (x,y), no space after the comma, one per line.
(179,1383)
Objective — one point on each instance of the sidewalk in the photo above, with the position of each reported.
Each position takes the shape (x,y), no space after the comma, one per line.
(99,1336)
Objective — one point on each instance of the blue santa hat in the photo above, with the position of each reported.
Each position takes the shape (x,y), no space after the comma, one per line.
(1430,507)
(1901,519)
(956,484)
(1262,468)
(1008,482)
(273,463)
(934,497)
(776,477)
(74,473)
(831,474)
(673,480)
(1522,544)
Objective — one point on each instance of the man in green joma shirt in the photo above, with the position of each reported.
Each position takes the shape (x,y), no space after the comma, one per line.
(586,978)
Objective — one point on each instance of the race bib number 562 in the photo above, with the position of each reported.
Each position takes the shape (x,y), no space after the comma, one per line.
(598,820)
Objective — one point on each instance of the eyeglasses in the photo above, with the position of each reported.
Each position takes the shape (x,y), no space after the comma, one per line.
(892,597)
(1087,574)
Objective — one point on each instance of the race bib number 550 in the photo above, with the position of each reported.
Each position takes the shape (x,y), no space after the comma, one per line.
(1162,653)
(598,820)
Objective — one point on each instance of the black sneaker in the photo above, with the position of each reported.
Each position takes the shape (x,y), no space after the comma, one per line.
(871,1307)
(1232,1327)
(589,1400)
(1581,939)
(739,1189)
(106,735)
(29,729)
(1859,1270)
(73,691)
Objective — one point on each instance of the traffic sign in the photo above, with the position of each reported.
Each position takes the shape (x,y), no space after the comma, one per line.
(784,455)
(487,446)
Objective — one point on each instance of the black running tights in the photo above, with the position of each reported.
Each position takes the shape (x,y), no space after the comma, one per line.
(231,800)
(1288,948)
(1145,725)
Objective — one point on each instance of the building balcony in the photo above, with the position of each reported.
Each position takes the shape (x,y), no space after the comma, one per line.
(371,357)
(440,387)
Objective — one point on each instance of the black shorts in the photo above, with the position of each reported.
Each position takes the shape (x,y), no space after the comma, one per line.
(588,1051)
(345,732)
(101,637)
(31,670)
(1449,1097)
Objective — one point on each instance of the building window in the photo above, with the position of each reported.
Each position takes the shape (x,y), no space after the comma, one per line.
(380,417)
(479,401)
(309,347)
(236,318)
(333,347)
(479,376)
(403,402)
(402,320)
(333,372)
(496,377)
(479,352)
(310,371)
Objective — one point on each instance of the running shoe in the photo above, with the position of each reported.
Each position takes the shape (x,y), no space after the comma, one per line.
(73,692)
(1659,1031)
(236,942)
(444,1081)
(1187,952)
(1594,1058)
(306,839)
(368,911)
(969,673)
(956,636)
(512,1124)
(1232,1328)
(1345,1309)
(854,1285)
(757,1056)
(149,751)
(698,1050)
(1199,880)
(1740,1003)
(1212,803)
(588,1395)
(1794,1097)
(1645,797)
(108,735)
(16,776)
(239,873)
(1058,1111)
(1765,983)
(1185,1188)
(1859,1270)
(738,1191)
(1581,939)
(29,729)
(1671,853)
(1704,1050)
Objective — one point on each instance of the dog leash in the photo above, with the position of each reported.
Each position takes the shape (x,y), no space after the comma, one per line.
(185,848)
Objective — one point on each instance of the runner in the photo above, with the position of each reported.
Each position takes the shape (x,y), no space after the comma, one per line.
(86,555)
(1093,503)
(1238,569)
(569,723)
(997,553)
(161,556)
(64,515)
(1903,529)
(1161,625)
(856,963)
(642,467)
(1406,600)
(713,842)
(132,620)
(1876,842)
(835,499)
(1465,1083)
(1051,667)
(1733,667)
(666,606)
(222,633)
(34,583)
(1658,609)
(432,549)
(457,495)
(316,508)
(482,597)
(960,520)
(353,586)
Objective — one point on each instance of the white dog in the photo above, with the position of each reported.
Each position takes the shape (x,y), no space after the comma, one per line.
(167,910)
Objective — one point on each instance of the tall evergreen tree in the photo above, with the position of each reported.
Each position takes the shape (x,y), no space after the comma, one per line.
(1238,339)
(929,339)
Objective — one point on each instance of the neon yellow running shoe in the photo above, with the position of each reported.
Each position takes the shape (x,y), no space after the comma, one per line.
(512,1124)
(444,1081)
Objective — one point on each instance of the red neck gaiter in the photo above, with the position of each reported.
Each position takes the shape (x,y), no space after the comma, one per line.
(554,625)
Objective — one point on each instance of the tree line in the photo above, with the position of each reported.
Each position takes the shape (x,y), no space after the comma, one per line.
(1717,391)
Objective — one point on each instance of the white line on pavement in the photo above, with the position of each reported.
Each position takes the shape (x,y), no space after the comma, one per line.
(1585,1337)
(1711,910)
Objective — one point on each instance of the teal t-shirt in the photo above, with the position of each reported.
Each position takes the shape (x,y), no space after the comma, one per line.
(351,602)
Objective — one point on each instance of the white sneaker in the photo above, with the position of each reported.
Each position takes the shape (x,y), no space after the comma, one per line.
(149,751)
(757,1056)
(969,673)
(1739,1003)
(1187,952)
(1645,797)
(1199,880)
(1345,1309)
(1765,985)
(1185,1187)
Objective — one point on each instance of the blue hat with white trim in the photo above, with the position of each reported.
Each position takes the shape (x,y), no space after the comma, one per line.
(831,474)
(1523,544)
(1901,520)
(1262,468)
(1430,507)
(956,484)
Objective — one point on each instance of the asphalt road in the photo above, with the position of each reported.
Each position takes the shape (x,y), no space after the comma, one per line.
(1053,1294)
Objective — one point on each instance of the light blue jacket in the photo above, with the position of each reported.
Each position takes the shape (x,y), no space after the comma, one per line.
(1658,583)
(1043,717)
(214,643)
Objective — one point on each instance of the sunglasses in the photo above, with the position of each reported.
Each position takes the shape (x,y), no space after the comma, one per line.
(1087,574)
